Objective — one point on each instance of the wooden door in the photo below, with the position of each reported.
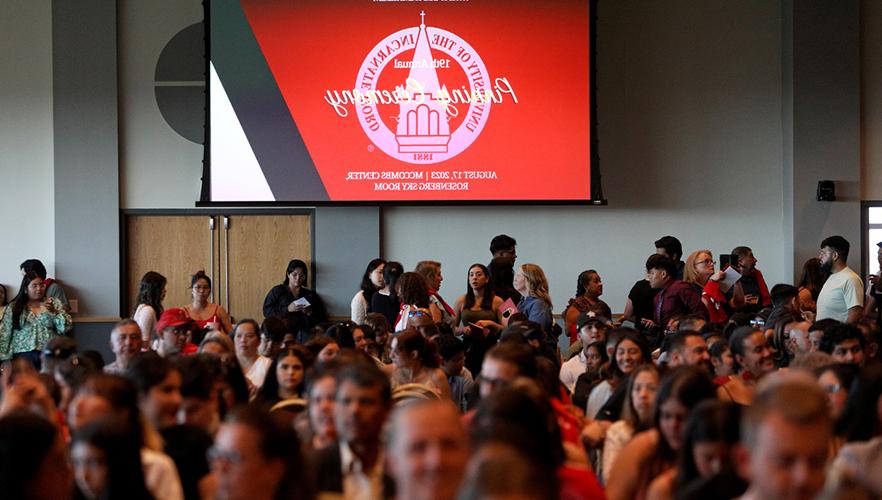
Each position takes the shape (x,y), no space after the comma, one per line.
(175,246)
(258,248)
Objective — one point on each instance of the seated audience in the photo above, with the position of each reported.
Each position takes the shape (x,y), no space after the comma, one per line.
(172,330)
(427,450)
(125,343)
(321,388)
(416,362)
(353,466)
(636,415)
(371,282)
(785,437)
(596,361)
(272,336)
(106,459)
(33,450)
(709,439)
(592,330)
(846,343)
(247,338)
(463,390)
(654,451)
(413,294)
(255,457)
(753,360)
(722,360)
(323,348)
(285,376)
(630,352)
(688,348)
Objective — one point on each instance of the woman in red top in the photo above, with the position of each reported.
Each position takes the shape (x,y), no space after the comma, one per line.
(206,315)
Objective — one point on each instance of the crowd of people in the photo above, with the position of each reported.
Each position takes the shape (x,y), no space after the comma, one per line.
(709,385)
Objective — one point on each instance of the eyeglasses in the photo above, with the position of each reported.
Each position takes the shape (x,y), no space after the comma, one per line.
(706,261)
(416,313)
(220,455)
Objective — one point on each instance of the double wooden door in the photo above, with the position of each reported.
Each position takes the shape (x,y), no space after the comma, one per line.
(244,255)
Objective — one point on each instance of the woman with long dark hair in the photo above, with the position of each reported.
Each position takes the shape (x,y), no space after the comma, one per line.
(32,322)
(106,456)
(285,376)
(479,306)
(371,282)
(148,305)
(416,362)
(810,284)
(589,288)
(654,451)
(385,301)
(293,300)
(206,315)
(413,292)
(630,351)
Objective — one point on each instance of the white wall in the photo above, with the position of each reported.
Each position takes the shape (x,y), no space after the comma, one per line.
(690,112)
(26,155)
(871,100)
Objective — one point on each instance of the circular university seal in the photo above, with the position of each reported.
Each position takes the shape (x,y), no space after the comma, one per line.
(426,109)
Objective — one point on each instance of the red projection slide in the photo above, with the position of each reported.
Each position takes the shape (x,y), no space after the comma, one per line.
(385,101)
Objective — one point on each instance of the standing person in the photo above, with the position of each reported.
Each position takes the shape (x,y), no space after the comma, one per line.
(33,320)
(479,305)
(431,271)
(670,247)
(501,278)
(53,289)
(206,316)
(674,298)
(371,282)
(811,282)
(504,246)
(255,366)
(750,293)
(291,299)
(385,301)
(842,297)
(413,293)
(531,283)
(589,288)
(148,306)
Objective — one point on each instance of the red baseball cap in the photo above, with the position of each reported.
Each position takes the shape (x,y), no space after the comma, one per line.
(173,317)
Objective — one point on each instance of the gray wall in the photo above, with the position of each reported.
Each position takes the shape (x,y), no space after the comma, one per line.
(716,120)
(86,156)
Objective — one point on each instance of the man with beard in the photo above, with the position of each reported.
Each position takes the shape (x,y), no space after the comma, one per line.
(688,348)
(753,360)
(842,297)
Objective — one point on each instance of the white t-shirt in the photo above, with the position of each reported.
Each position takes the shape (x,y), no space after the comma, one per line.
(841,292)
(599,395)
(358,308)
(570,371)
(161,475)
(145,316)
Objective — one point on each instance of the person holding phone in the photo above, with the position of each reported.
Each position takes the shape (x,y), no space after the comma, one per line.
(34,319)
(750,294)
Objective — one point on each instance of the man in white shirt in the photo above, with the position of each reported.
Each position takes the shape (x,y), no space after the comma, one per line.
(842,297)
(592,328)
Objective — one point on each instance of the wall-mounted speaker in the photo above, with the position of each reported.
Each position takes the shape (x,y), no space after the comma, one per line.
(826,191)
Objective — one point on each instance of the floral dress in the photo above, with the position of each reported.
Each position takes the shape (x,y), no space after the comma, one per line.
(34,330)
